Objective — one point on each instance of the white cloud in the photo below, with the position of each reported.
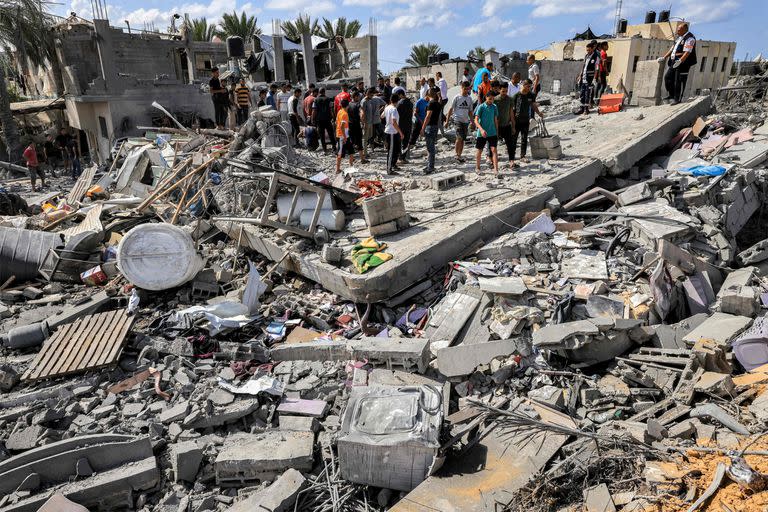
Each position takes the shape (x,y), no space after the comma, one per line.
(520,31)
(412,21)
(707,11)
(484,27)
(311,7)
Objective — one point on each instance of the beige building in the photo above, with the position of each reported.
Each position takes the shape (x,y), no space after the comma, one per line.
(649,41)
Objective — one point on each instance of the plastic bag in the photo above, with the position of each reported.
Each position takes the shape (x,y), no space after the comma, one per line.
(253,290)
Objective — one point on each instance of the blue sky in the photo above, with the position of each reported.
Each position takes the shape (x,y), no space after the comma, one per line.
(460,25)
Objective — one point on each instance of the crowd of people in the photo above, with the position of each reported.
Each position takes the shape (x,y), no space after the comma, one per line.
(60,151)
(359,119)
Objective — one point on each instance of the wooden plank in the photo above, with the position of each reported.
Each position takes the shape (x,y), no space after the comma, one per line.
(91,342)
(93,339)
(117,340)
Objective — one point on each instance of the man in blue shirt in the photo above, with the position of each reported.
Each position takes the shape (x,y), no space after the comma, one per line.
(272,96)
(419,113)
(487,70)
(487,122)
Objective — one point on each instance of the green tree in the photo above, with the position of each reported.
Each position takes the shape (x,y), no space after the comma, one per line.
(25,26)
(199,29)
(243,26)
(346,29)
(478,52)
(303,23)
(420,54)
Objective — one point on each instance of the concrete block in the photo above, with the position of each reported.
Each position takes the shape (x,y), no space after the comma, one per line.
(561,334)
(405,352)
(743,300)
(278,497)
(384,208)
(446,180)
(175,413)
(222,415)
(463,359)
(332,254)
(713,383)
(24,439)
(59,503)
(722,328)
(300,423)
(263,456)
(8,378)
(30,292)
(635,194)
(185,461)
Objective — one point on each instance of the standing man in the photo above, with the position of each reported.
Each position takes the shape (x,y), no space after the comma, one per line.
(73,146)
(397,89)
(272,96)
(387,90)
(33,166)
(603,47)
(51,153)
(356,125)
(423,88)
(343,95)
(480,76)
(262,98)
(321,118)
(393,133)
(310,91)
(534,75)
(682,57)
(62,141)
(220,98)
(293,114)
(503,103)
(419,114)
(429,128)
(243,98)
(514,84)
(309,100)
(372,107)
(443,85)
(589,76)
(405,111)
(522,104)
(466,76)
(282,101)
(342,135)
(487,122)
(460,113)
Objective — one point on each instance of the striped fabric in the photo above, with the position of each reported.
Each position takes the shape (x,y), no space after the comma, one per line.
(243,93)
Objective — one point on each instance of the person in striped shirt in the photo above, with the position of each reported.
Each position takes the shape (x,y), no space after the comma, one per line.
(243,100)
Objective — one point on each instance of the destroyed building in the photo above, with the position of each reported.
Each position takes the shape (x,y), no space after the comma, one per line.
(215,321)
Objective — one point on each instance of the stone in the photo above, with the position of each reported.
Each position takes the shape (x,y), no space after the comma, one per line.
(59,503)
(720,327)
(103,411)
(463,359)
(713,383)
(741,300)
(132,409)
(301,423)
(260,456)
(221,397)
(332,254)
(280,496)
(31,293)
(176,413)
(562,334)
(83,467)
(8,378)
(24,439)
(185,461)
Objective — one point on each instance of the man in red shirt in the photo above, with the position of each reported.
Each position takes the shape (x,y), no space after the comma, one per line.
(307,105)
(30,155)
(343,95)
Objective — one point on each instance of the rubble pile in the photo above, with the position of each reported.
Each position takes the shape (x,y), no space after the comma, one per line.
(166,345)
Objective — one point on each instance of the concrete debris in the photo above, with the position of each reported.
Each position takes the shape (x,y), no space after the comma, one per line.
(234,326)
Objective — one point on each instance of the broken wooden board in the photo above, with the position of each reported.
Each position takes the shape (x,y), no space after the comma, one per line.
(489,473)
(91,342)
(82,185)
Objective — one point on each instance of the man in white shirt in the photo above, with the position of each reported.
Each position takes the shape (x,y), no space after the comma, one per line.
(514,84)
(282,101)
(398,88)
(682,56)
(461,114)
(534,75)
(393,133)
(443,85)
(423,88)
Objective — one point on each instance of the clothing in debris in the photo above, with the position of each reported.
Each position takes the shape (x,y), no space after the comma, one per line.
(369,254)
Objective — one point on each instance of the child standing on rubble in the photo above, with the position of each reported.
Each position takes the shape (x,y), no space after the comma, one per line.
(30,156)
(342,136)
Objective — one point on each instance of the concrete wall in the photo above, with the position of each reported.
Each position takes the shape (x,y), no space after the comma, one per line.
(451,71)
(625,53)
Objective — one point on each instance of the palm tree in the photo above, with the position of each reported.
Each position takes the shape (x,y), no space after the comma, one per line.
(199,29)
(329,30)
(243,26)
(478,52)
(26,26)
(420,54)
(293,29)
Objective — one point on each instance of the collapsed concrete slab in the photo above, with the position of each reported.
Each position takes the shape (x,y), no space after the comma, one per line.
(278,497)
(248,457)
(463,359)
(403,352)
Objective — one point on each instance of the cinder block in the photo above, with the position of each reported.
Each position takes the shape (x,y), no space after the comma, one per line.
(446,180)
(381,209)
(390,227)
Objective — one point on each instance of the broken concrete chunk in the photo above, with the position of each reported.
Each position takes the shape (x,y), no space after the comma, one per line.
(720,327)
(565,335)
(185,460)
(278,497)
(463,359)
(263,456)
(712,383)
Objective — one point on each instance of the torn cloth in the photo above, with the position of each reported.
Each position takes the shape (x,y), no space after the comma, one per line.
(369,254)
